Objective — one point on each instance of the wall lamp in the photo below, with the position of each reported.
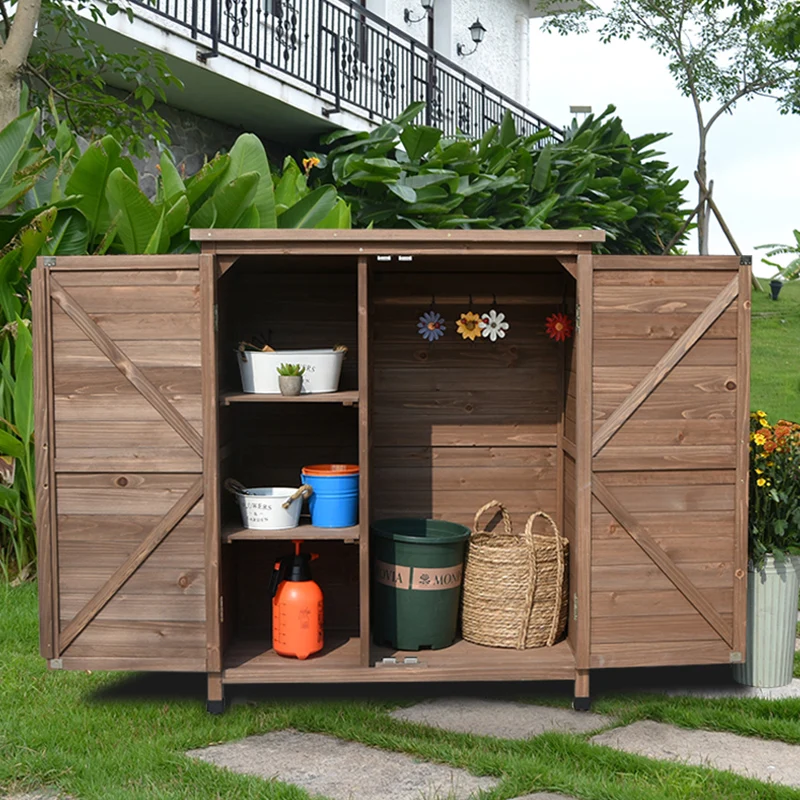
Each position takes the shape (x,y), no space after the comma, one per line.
(477,31)
(427,10)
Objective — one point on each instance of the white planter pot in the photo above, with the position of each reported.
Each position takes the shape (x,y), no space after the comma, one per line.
(259,371)
(771,624)
(262,509)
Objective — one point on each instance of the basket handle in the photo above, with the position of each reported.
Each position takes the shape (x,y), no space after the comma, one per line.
(531,547)
(490,505)
(304,490)
(235,487)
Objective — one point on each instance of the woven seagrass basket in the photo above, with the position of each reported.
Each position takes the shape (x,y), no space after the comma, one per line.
(515,587)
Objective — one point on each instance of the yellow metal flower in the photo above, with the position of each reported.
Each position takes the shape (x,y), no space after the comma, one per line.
(469,325)
(760,439)
(761,481)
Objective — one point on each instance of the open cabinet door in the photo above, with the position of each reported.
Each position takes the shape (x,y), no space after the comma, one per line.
(119,372)
(670,389)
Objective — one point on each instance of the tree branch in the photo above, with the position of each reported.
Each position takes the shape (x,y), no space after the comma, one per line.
(6,20)
(15,50)
(750,88)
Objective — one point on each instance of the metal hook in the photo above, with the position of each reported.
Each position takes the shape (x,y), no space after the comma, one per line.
(433,299)
(470,299)
(494,299)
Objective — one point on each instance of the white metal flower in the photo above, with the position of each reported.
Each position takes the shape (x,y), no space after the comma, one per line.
(493,325)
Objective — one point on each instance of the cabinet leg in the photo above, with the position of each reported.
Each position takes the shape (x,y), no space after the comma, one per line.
(581,701)
(215,703)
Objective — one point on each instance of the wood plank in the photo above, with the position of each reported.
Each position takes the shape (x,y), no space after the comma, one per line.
(677,432)
(483,477)
(114,298)
(140,459)
(184,554)
(116,434)
(125,263)
(415,458)
(698,328)
(681,549)
(366,384)
(639,353)
(580,586)
(676,575)
(542,380)
(660,654)
(510,353)
(668,405)
(146,580)
(126,530)
(663,602)
(627,578)
(134,664)
(625,325)
(702,264)
(346,398)
(658,457)
(134,277)
(510,434)
(695,478)
(654,300)
(132,563)
(172,382)
(668,499)
(686,524)
(211,461)
(138,607)
(655,628)
(146,354)
(662,277)
(111,408)
(709,380)
(135,375)
(234,532)
(133,638)
(740,542)
(124,326)
(43,411)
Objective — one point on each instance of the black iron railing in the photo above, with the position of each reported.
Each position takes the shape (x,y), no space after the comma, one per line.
(349,56)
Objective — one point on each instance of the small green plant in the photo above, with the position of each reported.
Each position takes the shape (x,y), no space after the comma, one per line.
(291,369)
(792,270)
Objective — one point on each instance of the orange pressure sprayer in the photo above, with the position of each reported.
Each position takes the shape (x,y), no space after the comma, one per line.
(296,606)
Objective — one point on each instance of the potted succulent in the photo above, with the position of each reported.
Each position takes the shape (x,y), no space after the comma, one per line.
(774,547)
(290,379)
(787,273)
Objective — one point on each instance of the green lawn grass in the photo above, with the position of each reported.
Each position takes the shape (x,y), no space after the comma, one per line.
(68,731)
(775,360)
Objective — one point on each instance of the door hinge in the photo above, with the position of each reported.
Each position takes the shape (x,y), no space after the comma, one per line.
(407,661)
(216,318)
(577,317)
(736,658)
(56,663)
(49,261)
(745,261)
(221,610)
(575,606)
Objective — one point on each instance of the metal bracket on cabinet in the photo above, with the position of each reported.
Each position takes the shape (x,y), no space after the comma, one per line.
(736,658)
(56,663)
(49,261)
(575,606)
(578,317)
(391,661)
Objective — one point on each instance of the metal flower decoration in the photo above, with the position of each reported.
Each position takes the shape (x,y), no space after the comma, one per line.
(493,325)
(559,327)
(431,326)
(469,325)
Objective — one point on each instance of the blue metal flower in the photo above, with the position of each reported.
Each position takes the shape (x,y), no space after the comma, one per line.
(431,326)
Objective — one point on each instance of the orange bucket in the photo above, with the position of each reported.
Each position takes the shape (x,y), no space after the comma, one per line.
(330,470)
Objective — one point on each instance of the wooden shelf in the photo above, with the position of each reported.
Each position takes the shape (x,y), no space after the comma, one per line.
(234,532)
(348,398)
(254,661)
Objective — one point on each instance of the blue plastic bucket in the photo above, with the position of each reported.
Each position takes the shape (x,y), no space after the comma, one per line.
(334,503)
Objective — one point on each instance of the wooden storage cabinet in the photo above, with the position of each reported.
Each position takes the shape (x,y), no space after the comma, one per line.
(632,435)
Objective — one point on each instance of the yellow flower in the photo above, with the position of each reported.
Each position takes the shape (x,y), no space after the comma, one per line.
(760,439)
(759,471)
(761,413)
(469,325)
(761,481)
(764,423)
(310,163)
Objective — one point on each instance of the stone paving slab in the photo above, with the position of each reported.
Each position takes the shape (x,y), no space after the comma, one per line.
(501,719)
(324,765)
(787,692)
(768,761)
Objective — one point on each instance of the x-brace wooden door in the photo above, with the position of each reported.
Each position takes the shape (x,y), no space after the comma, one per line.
(670,408)
(120,368)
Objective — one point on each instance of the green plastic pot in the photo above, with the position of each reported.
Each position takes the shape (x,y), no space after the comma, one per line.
(417,569)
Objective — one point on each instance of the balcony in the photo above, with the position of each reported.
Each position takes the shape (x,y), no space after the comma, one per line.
(356,64)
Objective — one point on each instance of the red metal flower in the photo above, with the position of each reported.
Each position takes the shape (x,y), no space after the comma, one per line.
(559,327)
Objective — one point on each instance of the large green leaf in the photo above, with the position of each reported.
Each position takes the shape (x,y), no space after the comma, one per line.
(419,140)
(292,186)
(69,235)
(541,173)
(227,203)
(34,236)
(138,217)
(339,217)
(23,391)
(11,446)
(176,216)
(205,178)
(171,181)
(406,193)
(14,139)
(9,302)
(311,210)
(248,156)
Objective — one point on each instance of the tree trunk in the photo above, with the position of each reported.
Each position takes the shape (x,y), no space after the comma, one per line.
(9,92)
(702,214)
